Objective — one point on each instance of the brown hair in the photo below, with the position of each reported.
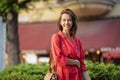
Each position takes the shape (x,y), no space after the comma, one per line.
(74,20)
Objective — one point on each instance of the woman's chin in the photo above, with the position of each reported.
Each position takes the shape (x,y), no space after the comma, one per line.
(67,28)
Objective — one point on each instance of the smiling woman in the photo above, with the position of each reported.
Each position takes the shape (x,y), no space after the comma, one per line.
(67,49)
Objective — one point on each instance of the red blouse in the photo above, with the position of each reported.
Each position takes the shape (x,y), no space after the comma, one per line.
(62,48)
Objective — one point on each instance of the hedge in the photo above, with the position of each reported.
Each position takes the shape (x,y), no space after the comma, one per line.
(24,72)
(97,71)
(101,71)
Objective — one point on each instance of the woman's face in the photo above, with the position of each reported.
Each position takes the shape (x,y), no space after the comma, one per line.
(66,22)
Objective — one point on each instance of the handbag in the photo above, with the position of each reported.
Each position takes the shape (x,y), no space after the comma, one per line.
(50,75)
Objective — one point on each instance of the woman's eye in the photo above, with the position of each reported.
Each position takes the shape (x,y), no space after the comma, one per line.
(63,19)
(70,20)
(67,20)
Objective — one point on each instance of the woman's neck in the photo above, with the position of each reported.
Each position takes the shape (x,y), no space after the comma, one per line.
(66,33)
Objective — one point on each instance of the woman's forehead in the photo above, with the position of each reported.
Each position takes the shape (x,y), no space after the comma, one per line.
(65,15)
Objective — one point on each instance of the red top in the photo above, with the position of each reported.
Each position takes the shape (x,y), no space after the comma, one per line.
(62,48)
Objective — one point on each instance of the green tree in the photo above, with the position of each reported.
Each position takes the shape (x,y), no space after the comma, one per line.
(9,11)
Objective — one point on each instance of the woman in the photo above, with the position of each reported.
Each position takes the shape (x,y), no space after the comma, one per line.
(67,50)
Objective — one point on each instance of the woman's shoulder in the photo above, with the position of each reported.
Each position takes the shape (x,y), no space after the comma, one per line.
(58,34)
(55,36)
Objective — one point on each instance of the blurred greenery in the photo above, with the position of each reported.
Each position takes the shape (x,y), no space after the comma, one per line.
(97,71)
(25,72)
(101,71)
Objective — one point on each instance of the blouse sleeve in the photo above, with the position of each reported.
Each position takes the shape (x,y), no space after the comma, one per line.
(81,59)
(59,58)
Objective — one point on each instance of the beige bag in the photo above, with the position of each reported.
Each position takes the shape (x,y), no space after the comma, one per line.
(50,75)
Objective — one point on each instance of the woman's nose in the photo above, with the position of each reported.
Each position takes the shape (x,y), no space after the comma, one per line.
(67,22)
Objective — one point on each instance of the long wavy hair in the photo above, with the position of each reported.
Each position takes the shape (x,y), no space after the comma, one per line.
(74,20)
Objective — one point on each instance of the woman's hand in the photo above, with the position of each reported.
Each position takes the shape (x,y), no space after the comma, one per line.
(73,62)
(77,62)
(86,75)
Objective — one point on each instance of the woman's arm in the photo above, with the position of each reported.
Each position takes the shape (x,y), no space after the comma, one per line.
(57,54)
(86,75)
(73,62)
(83,66)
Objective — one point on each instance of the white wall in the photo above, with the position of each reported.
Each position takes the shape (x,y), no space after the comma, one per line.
(2,44)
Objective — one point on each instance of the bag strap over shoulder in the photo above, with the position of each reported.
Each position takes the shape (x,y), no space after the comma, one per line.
(50,62)
(51,58)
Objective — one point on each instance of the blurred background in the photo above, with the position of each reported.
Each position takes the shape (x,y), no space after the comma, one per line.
(98,29)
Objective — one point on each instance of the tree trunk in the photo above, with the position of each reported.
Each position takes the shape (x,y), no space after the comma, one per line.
(13,39)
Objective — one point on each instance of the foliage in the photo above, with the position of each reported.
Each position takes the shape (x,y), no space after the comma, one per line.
(24,72)
(97,71)
(8,5)
(101,71)
(12,5)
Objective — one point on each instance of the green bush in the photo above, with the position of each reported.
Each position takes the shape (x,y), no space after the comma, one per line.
(97,71)
(101,71)
(24,72)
